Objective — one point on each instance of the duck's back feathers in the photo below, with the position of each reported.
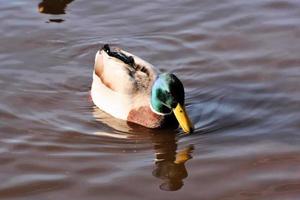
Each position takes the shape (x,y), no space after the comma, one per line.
(124,77)
(122,85)
(113,73)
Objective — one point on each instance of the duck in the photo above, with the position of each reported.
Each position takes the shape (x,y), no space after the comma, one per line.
(129,88)
(54,7)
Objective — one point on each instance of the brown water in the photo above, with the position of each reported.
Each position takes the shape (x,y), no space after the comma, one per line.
(239,62)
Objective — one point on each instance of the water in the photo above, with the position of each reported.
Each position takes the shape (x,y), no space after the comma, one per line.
(239,62)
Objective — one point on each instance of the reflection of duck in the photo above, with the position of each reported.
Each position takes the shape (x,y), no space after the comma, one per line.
(169,164)
(129,88)
(55,7)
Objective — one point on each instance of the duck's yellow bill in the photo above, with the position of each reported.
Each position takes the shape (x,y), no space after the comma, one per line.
(183,119)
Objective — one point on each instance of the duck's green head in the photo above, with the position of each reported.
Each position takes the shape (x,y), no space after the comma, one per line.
(167,96)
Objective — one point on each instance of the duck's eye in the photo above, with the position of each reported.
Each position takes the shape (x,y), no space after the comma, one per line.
(161,95)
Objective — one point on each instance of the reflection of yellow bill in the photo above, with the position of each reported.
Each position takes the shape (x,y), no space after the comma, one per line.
(41,9)
(183,118)
(184,155)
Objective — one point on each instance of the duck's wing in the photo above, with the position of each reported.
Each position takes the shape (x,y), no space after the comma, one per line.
(123,72)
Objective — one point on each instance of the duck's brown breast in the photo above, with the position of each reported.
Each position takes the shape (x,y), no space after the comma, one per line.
(145,117)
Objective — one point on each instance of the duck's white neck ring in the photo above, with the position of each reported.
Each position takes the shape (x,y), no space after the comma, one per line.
(159,113)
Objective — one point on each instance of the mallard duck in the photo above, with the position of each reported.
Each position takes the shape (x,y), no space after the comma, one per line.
(55,7)
(129,88)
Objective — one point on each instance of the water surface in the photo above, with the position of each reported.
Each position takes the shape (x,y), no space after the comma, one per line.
(239,62)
